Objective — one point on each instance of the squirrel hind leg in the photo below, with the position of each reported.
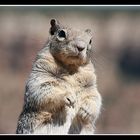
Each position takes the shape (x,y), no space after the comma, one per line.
(76,126)
(80,127)
(44,117)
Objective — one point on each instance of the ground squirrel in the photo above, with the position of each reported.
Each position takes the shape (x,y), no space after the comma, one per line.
(61,95)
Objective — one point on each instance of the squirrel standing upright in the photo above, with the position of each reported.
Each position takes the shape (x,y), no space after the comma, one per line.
(61,95)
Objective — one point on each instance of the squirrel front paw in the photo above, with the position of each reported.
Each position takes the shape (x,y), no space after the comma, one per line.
(86,111)
(70,99)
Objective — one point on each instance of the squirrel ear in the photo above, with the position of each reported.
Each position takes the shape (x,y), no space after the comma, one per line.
(54,26)
(88,31)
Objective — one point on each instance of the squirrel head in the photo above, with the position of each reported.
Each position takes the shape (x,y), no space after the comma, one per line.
(70,46)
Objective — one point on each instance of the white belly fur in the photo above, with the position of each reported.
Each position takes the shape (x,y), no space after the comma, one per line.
(56,129)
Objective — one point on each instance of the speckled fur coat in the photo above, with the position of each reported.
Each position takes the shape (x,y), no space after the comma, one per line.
(61,95)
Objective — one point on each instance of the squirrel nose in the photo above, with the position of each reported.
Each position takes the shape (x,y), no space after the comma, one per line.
(80,48)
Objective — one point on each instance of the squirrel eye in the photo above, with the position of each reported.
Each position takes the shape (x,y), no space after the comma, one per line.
(62,33)
(90,41)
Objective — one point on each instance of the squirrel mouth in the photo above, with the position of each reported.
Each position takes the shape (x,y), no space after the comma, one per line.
(77,56)
(73,57)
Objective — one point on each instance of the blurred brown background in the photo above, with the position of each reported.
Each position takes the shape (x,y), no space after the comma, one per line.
(24,31)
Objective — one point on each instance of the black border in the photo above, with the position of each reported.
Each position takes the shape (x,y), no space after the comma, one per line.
(66,2)
(69,2)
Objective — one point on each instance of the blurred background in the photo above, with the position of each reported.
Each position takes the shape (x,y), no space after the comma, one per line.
(116,41)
